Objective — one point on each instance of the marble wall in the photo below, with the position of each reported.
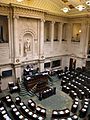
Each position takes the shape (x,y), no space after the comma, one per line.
(27,43)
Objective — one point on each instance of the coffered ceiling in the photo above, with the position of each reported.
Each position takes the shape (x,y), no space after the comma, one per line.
(55,6)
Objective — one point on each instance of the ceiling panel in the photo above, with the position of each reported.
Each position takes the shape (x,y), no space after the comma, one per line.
(54,6)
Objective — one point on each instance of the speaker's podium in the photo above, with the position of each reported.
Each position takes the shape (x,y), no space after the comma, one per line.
(36,83)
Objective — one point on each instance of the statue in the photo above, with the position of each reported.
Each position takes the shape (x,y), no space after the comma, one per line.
(27,46)
(77,37)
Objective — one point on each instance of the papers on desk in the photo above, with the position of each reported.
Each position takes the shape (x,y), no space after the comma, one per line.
(28,78)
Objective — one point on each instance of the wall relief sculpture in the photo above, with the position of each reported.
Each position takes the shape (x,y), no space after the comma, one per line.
(28,41)
(27,46)
(26,38)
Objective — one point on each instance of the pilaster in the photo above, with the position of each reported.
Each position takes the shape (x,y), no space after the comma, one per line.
(87,40)
(60,32)
(84,37)
(16,41)
(9,35)
(42,39)
(52,34)
(41,44)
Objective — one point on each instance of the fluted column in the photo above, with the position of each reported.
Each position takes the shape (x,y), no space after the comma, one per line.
(60,32)
(16,41)
(17,66)
(84,38)
(42,39)
(9,36)
(52,34)
(41,45)
(87,39)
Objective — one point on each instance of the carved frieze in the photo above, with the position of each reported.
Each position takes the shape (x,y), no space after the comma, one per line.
(27,12)
(51,17)
(4,9)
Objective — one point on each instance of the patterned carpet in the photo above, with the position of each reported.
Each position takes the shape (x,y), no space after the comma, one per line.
(56,102)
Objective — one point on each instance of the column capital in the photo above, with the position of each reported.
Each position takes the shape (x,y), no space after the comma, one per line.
(8,17)
(53,22)
(62,23)
(15,17)
(42,20)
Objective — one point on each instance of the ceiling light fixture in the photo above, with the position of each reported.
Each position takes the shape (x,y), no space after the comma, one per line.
(80,7)
(65,9)
(88,2)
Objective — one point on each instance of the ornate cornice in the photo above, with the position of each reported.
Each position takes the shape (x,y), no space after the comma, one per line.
(31,12)
(57,18)
(4,9)
(25,11)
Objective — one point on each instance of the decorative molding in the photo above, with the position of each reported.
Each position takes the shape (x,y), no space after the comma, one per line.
(15,17)
(53,22)
(4,9)
(25,11)
(27,30)
(42,20)
(50,17)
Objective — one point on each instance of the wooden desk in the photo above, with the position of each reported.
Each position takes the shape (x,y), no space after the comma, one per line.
(39,81)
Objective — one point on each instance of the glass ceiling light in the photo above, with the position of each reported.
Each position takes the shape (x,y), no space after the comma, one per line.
(19,0)
(88,2)
(65,10)
(80,7)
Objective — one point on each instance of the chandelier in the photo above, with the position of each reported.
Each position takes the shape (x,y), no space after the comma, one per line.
(88,2)
(65,9)
(80,7)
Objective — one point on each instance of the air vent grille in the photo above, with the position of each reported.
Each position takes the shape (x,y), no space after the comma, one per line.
(65,1)
(71,6)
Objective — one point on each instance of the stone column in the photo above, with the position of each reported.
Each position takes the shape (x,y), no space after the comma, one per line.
(41,45)
(16,41)
(69,36)
(17,66)
(11,38)
(18,72)
(87,39)
(52,34)
(60,32)
(9,35)
(84,38)
(84,42)
(41,39)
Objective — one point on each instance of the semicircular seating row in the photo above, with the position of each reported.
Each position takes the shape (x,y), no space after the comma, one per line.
(76,86)
(20,111)
(71,84)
